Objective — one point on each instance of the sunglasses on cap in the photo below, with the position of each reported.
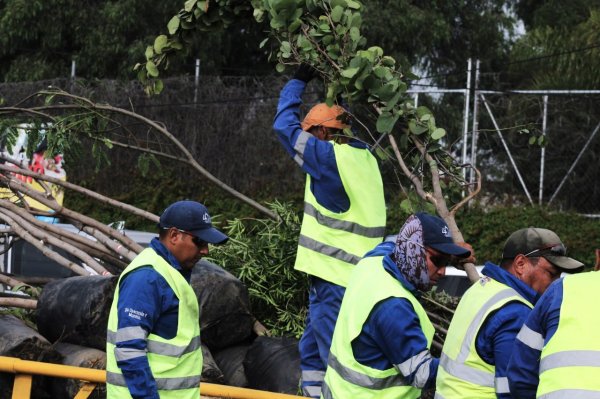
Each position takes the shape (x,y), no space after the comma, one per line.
(554,249)
(197,241)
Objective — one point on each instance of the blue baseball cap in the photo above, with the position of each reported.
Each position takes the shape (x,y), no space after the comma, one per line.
(192,217)
(436,234)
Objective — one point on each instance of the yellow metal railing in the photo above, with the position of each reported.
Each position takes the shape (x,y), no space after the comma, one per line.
(24,371)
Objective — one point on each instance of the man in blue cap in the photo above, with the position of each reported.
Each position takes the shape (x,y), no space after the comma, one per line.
(153,340)
(381,342)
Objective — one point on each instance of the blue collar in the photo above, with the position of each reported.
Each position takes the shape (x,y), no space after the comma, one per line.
(390,266)
(164,253)
(502,276)
(385,249)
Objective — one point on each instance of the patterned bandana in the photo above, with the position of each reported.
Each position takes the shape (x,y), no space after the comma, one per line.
(409,254)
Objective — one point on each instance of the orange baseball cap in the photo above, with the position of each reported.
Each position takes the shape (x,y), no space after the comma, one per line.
(324,115)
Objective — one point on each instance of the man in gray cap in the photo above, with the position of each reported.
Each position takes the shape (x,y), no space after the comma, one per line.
(489,316)
(153,340)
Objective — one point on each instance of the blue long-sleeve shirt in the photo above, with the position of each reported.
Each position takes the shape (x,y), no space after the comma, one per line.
(318,158)
(497,335)
(523,368)
(392,334)
(146,300)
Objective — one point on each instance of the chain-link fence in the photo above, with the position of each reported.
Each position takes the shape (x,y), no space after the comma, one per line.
(562,171)
(226,123)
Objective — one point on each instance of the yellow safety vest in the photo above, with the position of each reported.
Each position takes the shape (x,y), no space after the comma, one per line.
(331,243)
(176,363)
(345,377)
(570,361)
(462,373)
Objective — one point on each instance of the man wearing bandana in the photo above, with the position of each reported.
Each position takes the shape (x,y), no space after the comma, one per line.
(381,342)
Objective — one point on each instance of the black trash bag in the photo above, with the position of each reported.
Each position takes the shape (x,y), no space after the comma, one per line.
(225,317)
(19,340)
(75,310)
(273,364)
(78,356)
(210,371)
(231,362)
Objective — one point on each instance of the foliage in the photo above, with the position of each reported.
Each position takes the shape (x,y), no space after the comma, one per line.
(261,253)
(39,39)
(327,35)
(577,49)
(488,230)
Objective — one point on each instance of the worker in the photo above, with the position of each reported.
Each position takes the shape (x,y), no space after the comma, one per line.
(153,341)
(381,342)
(557,352)
(490,314)
(344,213)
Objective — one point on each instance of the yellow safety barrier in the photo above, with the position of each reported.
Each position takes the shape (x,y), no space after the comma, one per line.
(25,369)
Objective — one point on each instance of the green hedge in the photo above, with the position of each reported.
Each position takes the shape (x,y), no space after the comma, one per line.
(488,230)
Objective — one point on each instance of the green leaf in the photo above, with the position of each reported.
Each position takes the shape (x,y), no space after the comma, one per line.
(532,140)
(173,25)
(349,73)
(262,44)
(354,34)
(386,122)
(159,43)
(353,4)
(149,52)
(416,128)
(388,61)
(280,68)
(158,86)
(423,110)
(189,5)
(336,14)
(438,133)
(152,69)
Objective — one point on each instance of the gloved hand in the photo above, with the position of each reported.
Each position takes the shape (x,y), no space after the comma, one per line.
(305,73)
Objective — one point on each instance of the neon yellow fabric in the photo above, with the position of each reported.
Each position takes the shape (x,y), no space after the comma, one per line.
(331,244)
(346,377)
(570,361)
(462,372)
(176,363)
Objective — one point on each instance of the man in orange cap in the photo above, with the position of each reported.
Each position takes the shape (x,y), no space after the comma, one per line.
(344,213)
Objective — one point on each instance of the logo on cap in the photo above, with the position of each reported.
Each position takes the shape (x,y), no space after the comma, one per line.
(206,217)
(446,231)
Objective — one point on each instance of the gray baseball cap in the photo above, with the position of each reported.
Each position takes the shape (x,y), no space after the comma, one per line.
(538,242)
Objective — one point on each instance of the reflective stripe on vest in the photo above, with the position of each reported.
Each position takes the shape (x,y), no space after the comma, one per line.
(345,376)
(332,243)
(176,363)
(463,373)
(570,360)
(163,384)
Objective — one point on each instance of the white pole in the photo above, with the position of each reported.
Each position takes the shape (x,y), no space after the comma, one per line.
(466,115)
(475,122)
(196,80)
(72,82)
(543,156)
(416,99)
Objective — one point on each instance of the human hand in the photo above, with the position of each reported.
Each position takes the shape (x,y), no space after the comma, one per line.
(305,72)
(459,262)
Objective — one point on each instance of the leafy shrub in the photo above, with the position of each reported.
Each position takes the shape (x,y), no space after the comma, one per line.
(261,253)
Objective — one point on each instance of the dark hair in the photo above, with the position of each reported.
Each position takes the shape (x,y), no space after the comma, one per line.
(162,233)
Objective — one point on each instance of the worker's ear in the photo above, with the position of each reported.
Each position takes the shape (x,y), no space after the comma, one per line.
(519,265)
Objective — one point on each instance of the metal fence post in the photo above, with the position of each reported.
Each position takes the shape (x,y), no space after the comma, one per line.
(475,122)
(543,155)
(466,115)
